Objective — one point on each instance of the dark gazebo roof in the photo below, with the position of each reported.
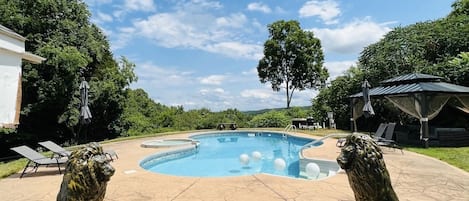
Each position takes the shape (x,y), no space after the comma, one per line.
(411,78)
(414,83)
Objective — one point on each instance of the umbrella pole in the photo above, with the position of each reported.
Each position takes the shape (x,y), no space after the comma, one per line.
(77,135)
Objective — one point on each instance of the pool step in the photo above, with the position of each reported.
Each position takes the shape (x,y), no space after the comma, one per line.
(327,168)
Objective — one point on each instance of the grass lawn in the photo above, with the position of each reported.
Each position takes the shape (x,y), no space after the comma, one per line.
(12,167)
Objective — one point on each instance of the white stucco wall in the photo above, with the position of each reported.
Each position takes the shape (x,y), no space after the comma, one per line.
(10,75)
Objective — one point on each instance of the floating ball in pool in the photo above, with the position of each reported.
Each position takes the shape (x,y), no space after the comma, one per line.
(279,164)
(244,159)
(312,170)
(256,156)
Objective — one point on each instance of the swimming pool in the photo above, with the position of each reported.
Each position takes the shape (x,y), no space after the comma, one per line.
(232,154)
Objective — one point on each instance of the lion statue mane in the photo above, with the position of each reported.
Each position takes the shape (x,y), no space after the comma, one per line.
(86,175)
(362,160)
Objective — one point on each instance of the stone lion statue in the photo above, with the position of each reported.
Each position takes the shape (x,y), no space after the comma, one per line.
(86,175)
(362,160)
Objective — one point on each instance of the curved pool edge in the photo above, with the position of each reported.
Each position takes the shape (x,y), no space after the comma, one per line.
(167,153)
(333,167)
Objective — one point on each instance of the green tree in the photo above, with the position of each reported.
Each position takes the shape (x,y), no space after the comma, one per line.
(425,47)
(335,98)
(296,112)
(460,69)
(270,119)
(293,59)
(460,7)
(140,114)
(61,32)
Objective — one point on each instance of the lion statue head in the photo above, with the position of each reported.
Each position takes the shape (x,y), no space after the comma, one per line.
(86,175)
(362,160)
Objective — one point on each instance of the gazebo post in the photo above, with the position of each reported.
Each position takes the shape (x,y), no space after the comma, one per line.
(425,134)
(352,121)
(424,120)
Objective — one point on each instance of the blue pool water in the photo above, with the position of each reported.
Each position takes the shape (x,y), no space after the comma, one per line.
(218,155)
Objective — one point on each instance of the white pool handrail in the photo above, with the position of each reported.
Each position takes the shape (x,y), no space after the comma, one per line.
(325,137)
(289,128)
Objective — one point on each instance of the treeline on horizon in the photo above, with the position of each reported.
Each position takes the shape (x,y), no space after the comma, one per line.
(61,31)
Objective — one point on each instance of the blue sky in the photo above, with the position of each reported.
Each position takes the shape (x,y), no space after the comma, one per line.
(204,53)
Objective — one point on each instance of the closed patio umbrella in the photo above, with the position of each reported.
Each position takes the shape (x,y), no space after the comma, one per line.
(85,113)
(367,108)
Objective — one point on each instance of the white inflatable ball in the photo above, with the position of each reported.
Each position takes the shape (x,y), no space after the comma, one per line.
(312,170)
(279,164)
(244,159)
(256,155)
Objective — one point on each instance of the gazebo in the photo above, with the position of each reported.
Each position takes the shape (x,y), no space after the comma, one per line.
(419,95)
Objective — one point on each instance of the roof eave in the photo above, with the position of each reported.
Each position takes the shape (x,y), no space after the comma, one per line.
(35,59)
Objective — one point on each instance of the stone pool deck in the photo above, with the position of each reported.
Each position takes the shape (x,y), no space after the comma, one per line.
(414,177)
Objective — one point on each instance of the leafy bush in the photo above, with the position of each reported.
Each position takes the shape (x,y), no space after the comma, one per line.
(270,119)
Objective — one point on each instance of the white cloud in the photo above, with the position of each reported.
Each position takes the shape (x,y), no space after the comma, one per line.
(97,2)
(193,6)
(204,92)
(193,93)
(236,50)
(259,98)
(118,13)
(213,80)
(219,90)
(237,20)
(102,18)
(106,31)
(326,10)
(122,37)
(256,93)
(352,37)
(162,77)
(133,6)
(201,30)
(252,71)
(257,6)
(337,68)
(139,5)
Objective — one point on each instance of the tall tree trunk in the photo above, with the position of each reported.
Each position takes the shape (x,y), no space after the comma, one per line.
(288,95)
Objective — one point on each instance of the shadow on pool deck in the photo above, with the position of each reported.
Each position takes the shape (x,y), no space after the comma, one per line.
(414,177)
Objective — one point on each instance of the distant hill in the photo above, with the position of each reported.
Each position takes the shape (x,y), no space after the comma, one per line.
(256,112)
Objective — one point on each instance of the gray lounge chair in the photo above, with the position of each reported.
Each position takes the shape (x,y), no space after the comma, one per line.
(387,141)
(378,134)
(60,151)
(380,131)
(388,134)
(36,159)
